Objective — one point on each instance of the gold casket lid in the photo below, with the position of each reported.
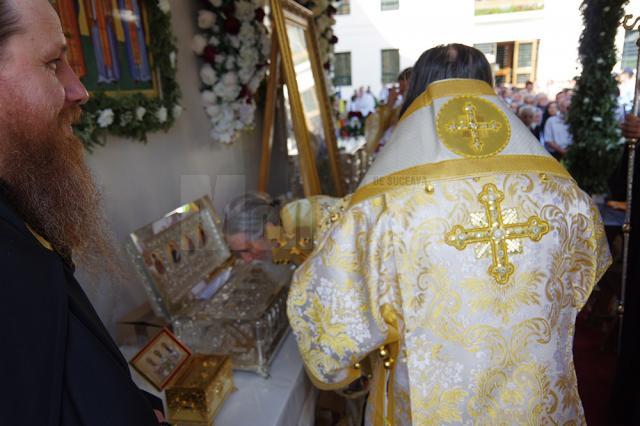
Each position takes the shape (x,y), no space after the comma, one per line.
(179,254)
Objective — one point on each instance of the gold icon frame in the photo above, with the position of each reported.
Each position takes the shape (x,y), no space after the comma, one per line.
(287,14)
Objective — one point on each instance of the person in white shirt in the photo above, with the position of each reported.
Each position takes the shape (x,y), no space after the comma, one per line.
(556,131)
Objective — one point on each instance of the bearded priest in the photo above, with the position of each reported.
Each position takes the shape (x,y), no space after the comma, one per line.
(458,268)
(59,365)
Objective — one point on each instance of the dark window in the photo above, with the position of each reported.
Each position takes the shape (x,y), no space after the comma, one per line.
(389,4)
(390,65)
(525,55)
(342,69)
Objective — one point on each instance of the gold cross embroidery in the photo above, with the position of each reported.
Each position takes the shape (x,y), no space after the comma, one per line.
(498,233)
(474,126)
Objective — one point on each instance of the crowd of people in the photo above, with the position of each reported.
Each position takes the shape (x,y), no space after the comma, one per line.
(546,117)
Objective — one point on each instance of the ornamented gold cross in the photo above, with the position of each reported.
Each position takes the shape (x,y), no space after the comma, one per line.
(497,233)
(473,126)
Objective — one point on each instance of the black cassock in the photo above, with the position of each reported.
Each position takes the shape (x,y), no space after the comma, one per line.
(58,363)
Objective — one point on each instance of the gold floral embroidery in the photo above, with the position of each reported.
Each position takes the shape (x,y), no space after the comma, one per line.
(472,352)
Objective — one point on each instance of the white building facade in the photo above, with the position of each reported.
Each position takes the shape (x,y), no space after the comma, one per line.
(527,40)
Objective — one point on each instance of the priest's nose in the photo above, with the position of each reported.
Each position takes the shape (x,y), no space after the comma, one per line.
(75,92)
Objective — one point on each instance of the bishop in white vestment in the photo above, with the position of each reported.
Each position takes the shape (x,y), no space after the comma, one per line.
(457,270)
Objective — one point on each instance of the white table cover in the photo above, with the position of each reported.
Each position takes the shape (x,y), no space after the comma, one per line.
(287,398)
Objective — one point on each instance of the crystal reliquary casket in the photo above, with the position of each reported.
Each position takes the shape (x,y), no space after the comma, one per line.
(215,305)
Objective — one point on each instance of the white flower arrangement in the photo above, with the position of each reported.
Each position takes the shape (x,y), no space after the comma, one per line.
(234,45)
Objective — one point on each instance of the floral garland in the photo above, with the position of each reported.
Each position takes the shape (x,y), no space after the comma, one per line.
(135,115)
(234,46)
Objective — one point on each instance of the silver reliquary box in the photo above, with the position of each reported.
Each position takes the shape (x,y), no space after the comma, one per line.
(215,305)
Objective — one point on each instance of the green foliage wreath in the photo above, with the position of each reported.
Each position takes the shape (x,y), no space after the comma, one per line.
(596,135)
(133,116)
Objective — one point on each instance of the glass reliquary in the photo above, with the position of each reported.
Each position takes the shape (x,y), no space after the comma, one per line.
(215,305)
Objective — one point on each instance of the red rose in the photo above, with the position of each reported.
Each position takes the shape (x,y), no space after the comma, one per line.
(260,14)
(331,10)
(209,54)
(327,66)
(333,39)
(232,26)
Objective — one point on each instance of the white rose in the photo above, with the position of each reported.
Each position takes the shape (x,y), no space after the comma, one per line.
(140,112)
(161,114)
(322,21)
(220,58)
(172,59)
(255,83)
(216,3)
(230,62)
(247,33)
(198,44)
(230,79)
(105,118)
(225,138)
(206,19)
(213,111)
(235,41)
(245,74)
(597,119)
(231,93)
(208,98)
(208,75)
(246,112)
(213,40)
(219,89)
(177,111)
(245,11)
(164,6)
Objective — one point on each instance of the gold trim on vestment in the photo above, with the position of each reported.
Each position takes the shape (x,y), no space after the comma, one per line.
(460,168)
(444,88)
(46,244)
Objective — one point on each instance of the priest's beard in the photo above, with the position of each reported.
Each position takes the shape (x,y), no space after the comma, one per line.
(45,177)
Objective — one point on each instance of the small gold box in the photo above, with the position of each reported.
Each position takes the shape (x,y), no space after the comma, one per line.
(195,385)
(195,397)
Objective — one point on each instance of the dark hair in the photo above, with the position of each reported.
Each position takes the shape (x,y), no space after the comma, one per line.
(9,23)
(405,74)
(443,62)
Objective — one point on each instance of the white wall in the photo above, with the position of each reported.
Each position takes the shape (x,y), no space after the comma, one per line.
(414,27)
(419,25)
(143,182)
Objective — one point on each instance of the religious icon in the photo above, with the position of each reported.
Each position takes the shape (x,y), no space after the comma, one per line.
(161,358)
(174,252)
(68,18)
(138,60)
(99,17)
(188,245)
(157,264)
(202,236)
(109,44)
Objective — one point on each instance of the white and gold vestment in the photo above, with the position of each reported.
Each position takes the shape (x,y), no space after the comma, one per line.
(458,269)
